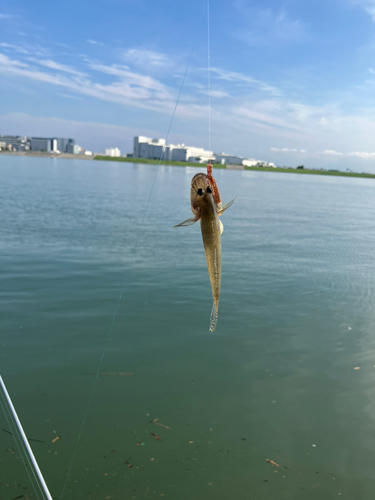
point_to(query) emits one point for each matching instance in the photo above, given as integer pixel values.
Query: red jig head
(215, 189)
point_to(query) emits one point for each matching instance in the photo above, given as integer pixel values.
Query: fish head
(201, 191)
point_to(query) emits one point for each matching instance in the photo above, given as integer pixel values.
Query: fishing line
(21, 448)
(131, 261)
(209, 75)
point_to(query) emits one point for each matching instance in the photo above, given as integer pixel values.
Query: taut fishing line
(209, 75)
(131, 261)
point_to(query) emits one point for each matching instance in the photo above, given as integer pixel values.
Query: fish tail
(214, 316)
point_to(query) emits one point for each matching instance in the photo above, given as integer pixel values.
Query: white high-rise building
(112, 152)
(144, 147)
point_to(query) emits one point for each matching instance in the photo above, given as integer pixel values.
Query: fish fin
(221, 227)
(222, 209)
(188, 222)
(214, 316)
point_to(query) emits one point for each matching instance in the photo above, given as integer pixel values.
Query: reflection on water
(275, 381)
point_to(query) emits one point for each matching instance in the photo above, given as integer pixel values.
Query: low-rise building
(15, 142)
(226, 159)
(73, 149)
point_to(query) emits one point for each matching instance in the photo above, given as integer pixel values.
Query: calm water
(276, 380)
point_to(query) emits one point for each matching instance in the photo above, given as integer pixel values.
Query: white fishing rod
(28, 449)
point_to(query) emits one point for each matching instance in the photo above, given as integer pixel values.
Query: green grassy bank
(155, 162)
(311, 172)
(259, 169)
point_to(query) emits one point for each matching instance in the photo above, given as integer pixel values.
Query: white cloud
(362, 154)
(367, 5)
(4, 60)
(7, 16)
(146, 58)
(69, 96)
(132, 89)
(288, 150)
(34, 50)
(241, 80)
(370, 9)
(91, 135)
(94, 42)
(265, 27)
(359, 154)
(48, 63)
(15, 48)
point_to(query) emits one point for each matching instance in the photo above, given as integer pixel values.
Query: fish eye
(208, 190)
(200, 192)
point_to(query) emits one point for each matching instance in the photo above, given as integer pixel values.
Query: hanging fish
(207, 207)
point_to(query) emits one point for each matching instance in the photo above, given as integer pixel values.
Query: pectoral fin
(188, 222)
(222, 210)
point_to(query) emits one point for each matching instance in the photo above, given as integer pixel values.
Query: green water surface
(275, 381)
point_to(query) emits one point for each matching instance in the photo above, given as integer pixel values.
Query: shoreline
(68, 156)
(42, 154)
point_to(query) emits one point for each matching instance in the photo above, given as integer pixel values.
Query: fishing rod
(26, 446)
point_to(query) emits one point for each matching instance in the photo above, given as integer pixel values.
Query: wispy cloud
(7, 16)
(243, 80)
(366, 5)
(94, 42)
(359, 154)
(6, 62)
(31, 49)
(146, 58)
(68, 96)
(369, 6)
(48, 63)
(288, 150)
(14, 48)
(131, 89)
(264, 27)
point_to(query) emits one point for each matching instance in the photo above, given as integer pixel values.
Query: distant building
(112, 152)
(73, 149)
(14, 142)
(226, 159)
(62, 144)
(144, 147)
(41, 144)
(191, 154)
(51, 145)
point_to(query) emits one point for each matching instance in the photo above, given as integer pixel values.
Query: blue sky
(292, 82)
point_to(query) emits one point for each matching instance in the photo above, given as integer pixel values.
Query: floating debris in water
(162, 425)
(272, 462)
(55, 439)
